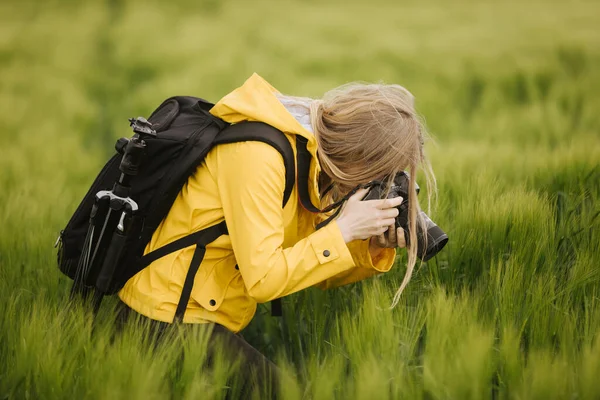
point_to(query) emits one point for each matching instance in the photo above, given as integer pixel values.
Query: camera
(432, 239)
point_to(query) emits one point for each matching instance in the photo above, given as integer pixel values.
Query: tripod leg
(80, 287)
(96, 238)
(105, 277)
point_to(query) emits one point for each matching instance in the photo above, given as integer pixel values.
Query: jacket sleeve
(365, 265)
(251, 180)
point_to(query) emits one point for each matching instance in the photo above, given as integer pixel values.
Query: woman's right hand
(364, 219)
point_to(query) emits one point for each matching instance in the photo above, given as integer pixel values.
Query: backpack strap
(304, 159)
(200, 239)
(207, 236)
(260, 132)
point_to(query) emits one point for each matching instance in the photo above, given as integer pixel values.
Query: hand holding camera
(364, 219)
(367, 215)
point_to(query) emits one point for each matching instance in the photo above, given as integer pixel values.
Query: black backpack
(185, 132)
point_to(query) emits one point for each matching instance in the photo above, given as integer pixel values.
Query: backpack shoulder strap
(261, 132)
(304, 159)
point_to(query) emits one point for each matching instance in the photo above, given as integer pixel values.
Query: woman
(356, 134)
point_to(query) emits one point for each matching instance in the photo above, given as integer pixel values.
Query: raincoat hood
(256, 100)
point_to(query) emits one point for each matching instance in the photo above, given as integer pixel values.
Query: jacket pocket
(211, 293)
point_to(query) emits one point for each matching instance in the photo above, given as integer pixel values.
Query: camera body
(431, 238)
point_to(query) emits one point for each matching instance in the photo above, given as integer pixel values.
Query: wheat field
(510, 92)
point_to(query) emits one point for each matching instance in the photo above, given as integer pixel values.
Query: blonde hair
(370, 132)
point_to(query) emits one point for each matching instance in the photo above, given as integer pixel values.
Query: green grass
(510, 91)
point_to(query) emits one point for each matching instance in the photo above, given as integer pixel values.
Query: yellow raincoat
(270, 252)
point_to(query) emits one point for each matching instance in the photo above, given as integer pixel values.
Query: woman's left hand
(392, 238)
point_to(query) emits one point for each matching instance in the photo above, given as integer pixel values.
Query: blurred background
(510, 94)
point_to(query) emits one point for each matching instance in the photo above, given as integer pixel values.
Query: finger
(359, 195)
(388, 203)
(387, 222)
(379, 230)
(392, 234)
(381, 240)
(389, 213)
(400, 238)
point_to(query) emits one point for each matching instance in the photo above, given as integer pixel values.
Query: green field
(510, 92)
